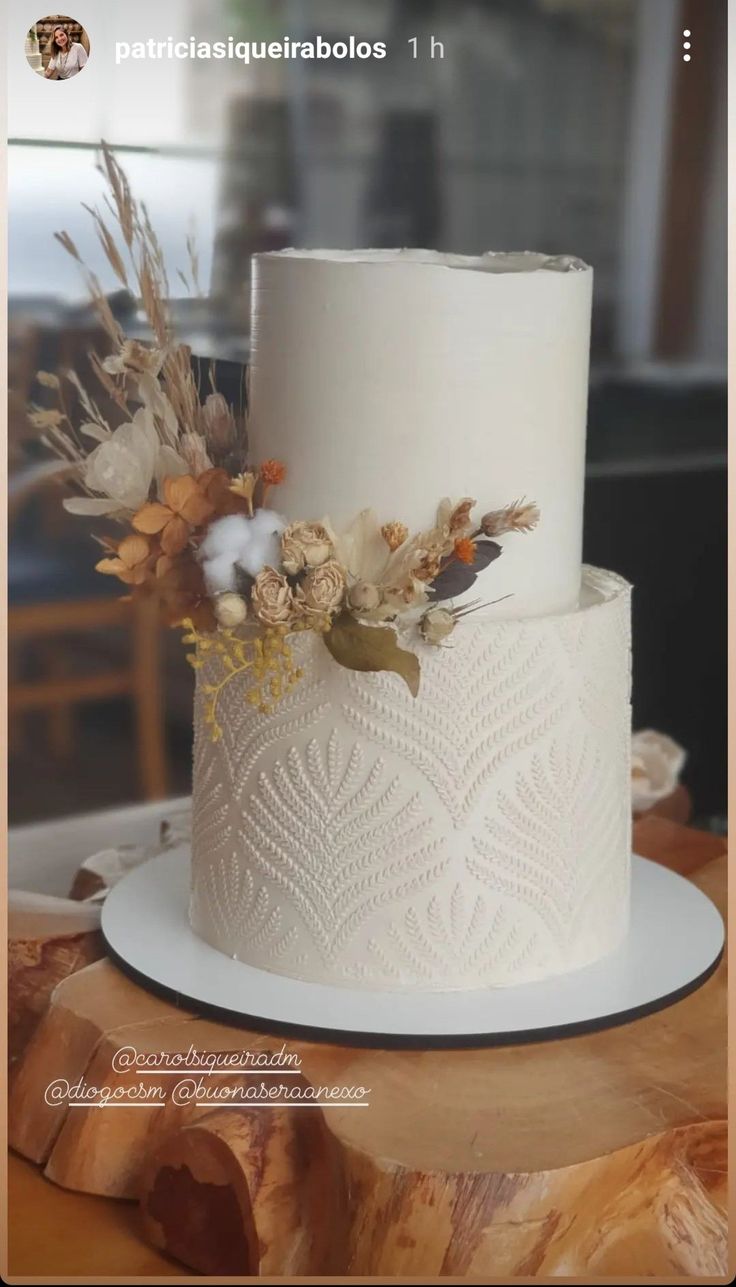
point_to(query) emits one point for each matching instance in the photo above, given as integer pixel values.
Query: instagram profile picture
(57, 47)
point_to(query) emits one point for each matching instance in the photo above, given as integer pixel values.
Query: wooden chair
(58, 693)
(38, 624)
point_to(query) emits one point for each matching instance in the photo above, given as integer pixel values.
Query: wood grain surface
(602, 1153)
(48, 939)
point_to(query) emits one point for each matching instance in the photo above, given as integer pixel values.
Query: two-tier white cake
(479, 833)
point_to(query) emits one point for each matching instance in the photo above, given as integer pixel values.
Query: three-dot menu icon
(686, 45)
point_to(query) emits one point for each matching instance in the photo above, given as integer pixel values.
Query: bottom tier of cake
(476, 836)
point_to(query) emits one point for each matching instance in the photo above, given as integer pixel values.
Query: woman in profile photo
(67, 56)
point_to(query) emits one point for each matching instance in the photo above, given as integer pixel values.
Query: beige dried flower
(436, 625)
(517, 517)
(134, 358)
(430, 564)
(410, 594)
(323, 589)
(656, 764)
(123, 466)
(364, 596)
(453, 520)
(292, 555)
(194, 453)
(272, 598)
(305, 545)
(45, 417)
(230, 610)
(47, 379)
(459, 522)
(218, 424)
(244, 485)
(394, 534)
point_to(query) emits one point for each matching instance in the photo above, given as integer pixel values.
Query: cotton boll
(220, 574)
(239, 542)
(226, 536)
(263, 548)
(220, 550)
(268, 521)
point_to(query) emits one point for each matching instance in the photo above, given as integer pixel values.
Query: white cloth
(69, 64)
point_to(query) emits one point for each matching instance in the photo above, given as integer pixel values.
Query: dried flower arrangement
(199, 533)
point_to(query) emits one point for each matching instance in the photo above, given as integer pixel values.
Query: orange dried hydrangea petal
(178, 490)
(175, 536)
(212, 483)
(111, 567)
(133, 549)
(152, 518)
(116, 567)
(197, 509)
(136, 576)
(164, 564)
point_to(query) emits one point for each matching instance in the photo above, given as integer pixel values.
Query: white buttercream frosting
(477, 835)
(391, 378)
(492, 261)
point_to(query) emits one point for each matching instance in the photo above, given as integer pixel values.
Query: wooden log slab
(269, 1179)
(682, 849)
(602, 1153)
(107, 1157)
(644, 1206)
(100, 1012)
(48, 939)
(83, 1007)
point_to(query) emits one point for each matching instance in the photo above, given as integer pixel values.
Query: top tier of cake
(391, 378)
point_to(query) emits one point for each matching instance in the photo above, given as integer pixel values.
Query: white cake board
(674, 944)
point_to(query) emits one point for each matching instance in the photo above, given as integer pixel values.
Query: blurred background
(568, 126)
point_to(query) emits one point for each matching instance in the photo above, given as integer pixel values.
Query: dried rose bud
(230, 610)
(514, 518)
(364, 596)
(394, 534)
(272, 598)
(305, 545)
(322, 590)
(436, 625)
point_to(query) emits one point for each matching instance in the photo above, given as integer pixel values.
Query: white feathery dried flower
(517, 517)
